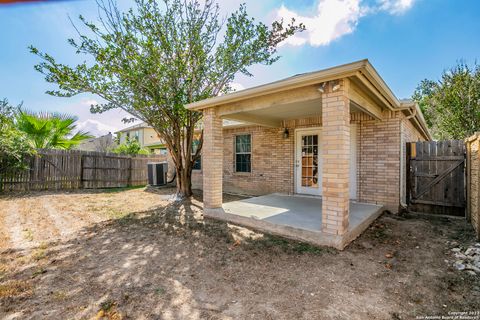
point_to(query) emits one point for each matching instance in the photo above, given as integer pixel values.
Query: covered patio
(297, 217)
(311, 126)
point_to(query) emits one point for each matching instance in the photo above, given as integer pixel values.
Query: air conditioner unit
(157, 173)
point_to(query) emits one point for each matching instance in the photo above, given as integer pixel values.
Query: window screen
(243, 154)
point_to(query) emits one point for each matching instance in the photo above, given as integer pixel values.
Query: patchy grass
(108, 310)
(60, 295)
(380, 232)
(148, 258)
(39, 254)
(160, 291)
(15, 288)
(27, 234)
(38, 271)
(107, 305)
(270, 242)
(117, 190)
(3, 271)
(115, 213)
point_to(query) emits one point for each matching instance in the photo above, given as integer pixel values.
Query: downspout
(412, 115)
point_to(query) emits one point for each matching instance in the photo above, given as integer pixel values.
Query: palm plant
(50, 130)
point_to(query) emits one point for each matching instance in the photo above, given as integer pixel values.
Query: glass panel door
(309, 161)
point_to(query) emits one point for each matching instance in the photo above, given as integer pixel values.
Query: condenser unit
(157, 173)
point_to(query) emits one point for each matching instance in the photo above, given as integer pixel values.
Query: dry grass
(3, 271)
(133, 254)
(15, 288)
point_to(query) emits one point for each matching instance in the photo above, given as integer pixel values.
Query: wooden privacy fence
(436, 179)
(74, 169)
(473, 181)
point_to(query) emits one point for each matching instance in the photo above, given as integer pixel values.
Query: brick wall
(379, 169)
(272, 159)
(473, 181)
(378, 158)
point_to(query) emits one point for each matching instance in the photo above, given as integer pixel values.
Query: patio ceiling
(271, 109)
(275, 115)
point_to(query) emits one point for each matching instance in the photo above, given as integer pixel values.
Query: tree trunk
(184, 182)
(180, 147)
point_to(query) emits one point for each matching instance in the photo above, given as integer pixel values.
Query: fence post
(130, 172)
(473, 170)
(468, 179)
(81, 171)
(408, 183)
(478, 187)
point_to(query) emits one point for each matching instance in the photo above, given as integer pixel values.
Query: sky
(405, 40)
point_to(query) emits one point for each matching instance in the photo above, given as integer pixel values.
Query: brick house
(338, 134)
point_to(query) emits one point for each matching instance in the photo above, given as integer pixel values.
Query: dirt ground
(135, 254)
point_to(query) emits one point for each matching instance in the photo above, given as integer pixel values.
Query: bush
(130, 147)
(14, 147)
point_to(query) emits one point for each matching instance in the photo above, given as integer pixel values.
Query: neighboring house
(337, 134)
(145, 135)
(101, 144)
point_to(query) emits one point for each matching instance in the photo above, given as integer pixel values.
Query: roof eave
(134, 127)
(288, 83)
(362, 68)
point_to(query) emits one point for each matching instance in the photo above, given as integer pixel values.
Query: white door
(308, 171)
(308, 161)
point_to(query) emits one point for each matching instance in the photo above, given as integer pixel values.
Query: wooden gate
(436, 179)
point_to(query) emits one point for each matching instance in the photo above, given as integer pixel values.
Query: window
(197, 165)
(243, 153)
(163, 151)
(137, 135)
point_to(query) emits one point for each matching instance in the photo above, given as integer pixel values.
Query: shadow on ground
(170, 263)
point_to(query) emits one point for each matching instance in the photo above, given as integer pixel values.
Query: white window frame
(235, 153)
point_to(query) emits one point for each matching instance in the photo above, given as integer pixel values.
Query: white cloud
(395, 6)
(95, 127)
(333, 19)
(236, 86)
(336, 18)
(89, 102)
(97, 124)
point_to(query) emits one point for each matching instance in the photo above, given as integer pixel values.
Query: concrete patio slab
(296, 217)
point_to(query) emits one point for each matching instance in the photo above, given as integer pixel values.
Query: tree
(14, 149)
(130, 147)
(452, 105)
(153, 60)
(49, 130)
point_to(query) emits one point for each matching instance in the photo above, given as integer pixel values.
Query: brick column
(212, 159)
(336, 159)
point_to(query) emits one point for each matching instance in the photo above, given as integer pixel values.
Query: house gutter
(371, 78)
(412, 114)
(417, 116)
